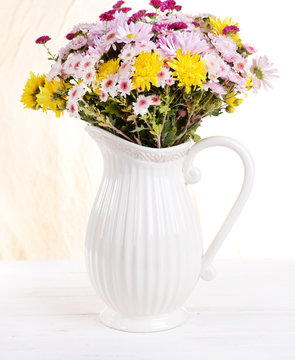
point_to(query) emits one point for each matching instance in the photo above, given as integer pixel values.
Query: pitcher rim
(95, 130)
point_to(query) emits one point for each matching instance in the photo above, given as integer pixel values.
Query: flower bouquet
(149, 77)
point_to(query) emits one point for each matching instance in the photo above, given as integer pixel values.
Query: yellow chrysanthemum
(53, 96)
(232, 101)
(249, 83)
(189, 70)
(32, 88)
(147, 66)
(218, 25)
(108, 68)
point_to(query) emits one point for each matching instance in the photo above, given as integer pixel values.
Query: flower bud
(238, 102)
(230, 109)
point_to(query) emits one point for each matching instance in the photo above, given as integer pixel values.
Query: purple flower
(107, 16)
(168, 5)
(177, 25)
(42, 39)
(124, 9)
(156, 3)
(137, 16)
(151, 14)
(118, 4)
(178, 7)
(70, 36)
(78, 43)
(230, 29)
(196, 24)
(159, 27)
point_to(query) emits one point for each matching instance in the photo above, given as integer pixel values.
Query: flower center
(110, 36)
(258, 73)
(142, 102)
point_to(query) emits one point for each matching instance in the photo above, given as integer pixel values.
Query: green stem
(52, 56)
(164, 117)
(158, 136)
(121, 133)
(183, 133)
(138, 140)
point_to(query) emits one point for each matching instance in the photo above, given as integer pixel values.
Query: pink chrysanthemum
(168, 5)
(156, 3)
(250, 49)
(226, 46)
(217, 88)
(124, 9)
(137, 16)
(263, 71)
(82, 27)
(118, 4)
(151, 14)
(42, 39)
(64, 53)
(240, 66)
(213, 62)
(182, 40)
(177, 26)
(70, 35)
(159, 27)
(138, 31)
(236, 78)
(107, 16)
(56, 69)
(78, 42)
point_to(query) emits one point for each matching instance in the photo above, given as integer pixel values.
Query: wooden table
(49, 311)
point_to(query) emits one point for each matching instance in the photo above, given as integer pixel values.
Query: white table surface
(49, 311)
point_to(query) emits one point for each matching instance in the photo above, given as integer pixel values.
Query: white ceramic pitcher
(144, 250)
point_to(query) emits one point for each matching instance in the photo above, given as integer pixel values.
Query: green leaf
(132, 118)
(112, 109)
(163, 108)
(138, 128)
(168, 138)
(216, 112)
(195, 137)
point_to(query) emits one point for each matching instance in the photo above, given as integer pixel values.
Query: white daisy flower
(76, 93)
(124, 87)
(142, 105)
(109, 85)
(72, 108)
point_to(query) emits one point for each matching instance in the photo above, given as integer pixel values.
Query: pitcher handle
(193, 175)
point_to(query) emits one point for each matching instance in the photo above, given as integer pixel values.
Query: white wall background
(50, 169)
